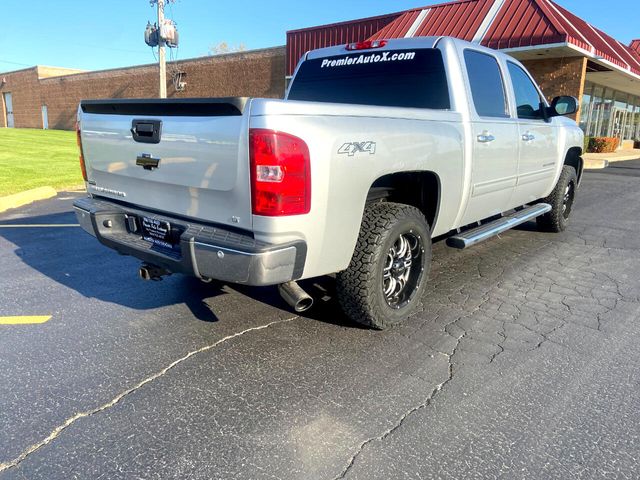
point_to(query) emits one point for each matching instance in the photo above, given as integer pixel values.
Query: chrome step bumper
(204, 251)
(484, 232)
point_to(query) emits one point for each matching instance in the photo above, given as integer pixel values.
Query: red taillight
(280, 174)
(367, 44)
(79, 140)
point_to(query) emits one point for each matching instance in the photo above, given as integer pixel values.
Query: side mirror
(563, 105)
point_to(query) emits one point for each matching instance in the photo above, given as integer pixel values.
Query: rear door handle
(527, 137)
(486, 138)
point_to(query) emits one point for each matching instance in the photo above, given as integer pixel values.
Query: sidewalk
(25, 198)
(602, 160)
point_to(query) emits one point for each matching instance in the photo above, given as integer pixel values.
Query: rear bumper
(203, 251)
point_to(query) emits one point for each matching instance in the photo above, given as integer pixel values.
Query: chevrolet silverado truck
(378, 149)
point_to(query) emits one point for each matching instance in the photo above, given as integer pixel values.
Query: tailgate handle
(146, 131)
(147, 162)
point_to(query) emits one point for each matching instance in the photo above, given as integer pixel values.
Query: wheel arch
(421, 189)
(574, 159)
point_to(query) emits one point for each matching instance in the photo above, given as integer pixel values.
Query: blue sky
(95, 35)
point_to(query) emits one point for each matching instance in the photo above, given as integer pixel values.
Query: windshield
(392, 78)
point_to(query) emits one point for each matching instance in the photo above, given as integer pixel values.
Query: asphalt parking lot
(523, 363)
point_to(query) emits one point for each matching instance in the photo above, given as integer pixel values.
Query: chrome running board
(484, 232)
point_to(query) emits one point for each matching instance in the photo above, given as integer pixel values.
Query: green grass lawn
(38, 158)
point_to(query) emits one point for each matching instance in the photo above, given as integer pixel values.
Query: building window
(636, 121)
(586, 108)
(610, 113)
(596, 107)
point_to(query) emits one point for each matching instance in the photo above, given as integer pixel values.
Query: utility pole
(162, 59)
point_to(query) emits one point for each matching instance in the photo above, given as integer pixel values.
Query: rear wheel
(561, 201)
(387, 275)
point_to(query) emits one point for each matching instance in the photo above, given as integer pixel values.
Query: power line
(16, 63)
(9, 62)
(113, 48)
(83, 44)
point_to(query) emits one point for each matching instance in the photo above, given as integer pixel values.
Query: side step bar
(483, 232)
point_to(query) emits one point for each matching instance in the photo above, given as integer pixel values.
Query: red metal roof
(459, 19)
(398, 27)
(523, 23)
(499, 24)
(603, 44)
(301, 41)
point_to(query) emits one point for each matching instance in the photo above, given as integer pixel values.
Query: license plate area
(159, 232)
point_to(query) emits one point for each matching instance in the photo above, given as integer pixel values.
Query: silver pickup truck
(378, 149)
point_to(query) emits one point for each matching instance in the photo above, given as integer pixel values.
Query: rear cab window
(487, 84)
(391, 78)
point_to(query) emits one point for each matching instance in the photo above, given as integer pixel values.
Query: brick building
(48, 97)
(565, 54)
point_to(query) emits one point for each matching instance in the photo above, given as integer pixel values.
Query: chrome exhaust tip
(152, 272)
(295, 296)
(144, 273)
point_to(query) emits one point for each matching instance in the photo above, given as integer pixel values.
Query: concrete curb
(626, 158)
(25, 198)
(591, 164)
(612, 158)
(74, 189)
(593, 161)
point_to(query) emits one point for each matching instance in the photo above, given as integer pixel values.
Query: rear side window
(487, 86)
(392, 78)
(527, 97)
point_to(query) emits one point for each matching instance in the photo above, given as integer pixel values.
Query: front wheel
(561, 200)
(387, 275)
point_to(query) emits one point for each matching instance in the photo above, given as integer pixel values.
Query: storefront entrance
(610, 113)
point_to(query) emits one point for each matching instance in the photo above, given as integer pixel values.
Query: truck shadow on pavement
(71, 257)
(325, 304)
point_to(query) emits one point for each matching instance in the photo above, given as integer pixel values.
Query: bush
(585, 149)
(636, 144)
(603, 144)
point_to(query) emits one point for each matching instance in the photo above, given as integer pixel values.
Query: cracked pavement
(522, 363)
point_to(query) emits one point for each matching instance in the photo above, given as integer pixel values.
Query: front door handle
(527, 137)
(486, 138)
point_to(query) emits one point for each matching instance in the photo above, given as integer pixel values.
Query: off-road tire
(557, 219)
(360, 287)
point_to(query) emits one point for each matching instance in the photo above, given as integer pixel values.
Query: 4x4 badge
(352, 148)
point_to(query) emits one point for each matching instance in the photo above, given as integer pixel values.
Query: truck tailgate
(184, 156)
